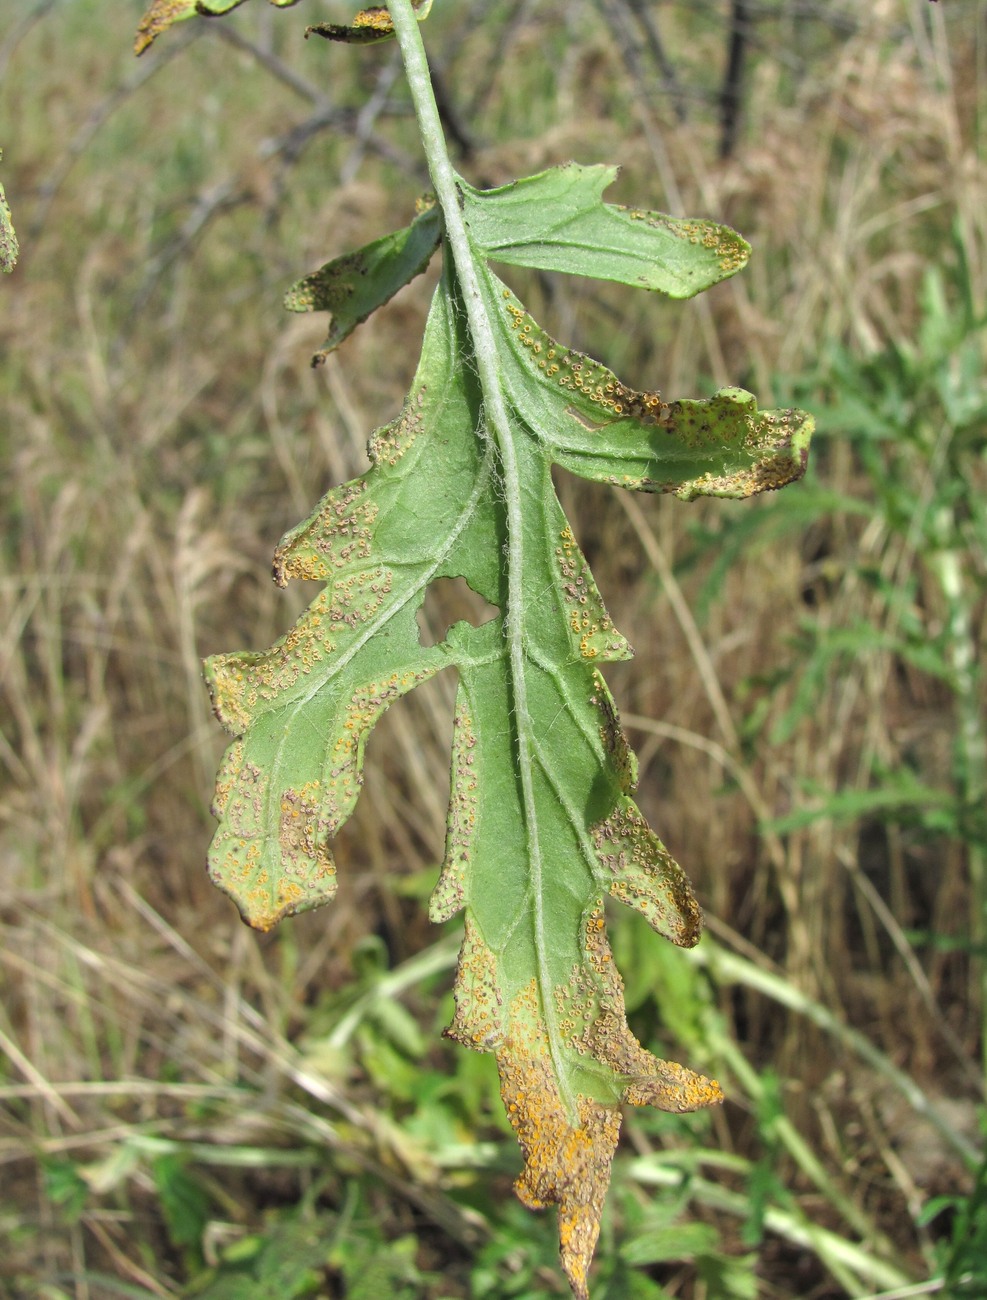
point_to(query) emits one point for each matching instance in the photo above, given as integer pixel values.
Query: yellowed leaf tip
(161, 15)
(564, 1164)
(568, 1141)
(569, 1165)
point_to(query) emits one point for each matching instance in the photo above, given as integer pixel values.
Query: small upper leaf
(556, 221)
(161, 15)
(369, 25)
(165, 13)
(355, 285)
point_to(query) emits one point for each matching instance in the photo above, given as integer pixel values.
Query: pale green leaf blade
(557, 221)
(542, 826)
(302, 711)
(529, 862)
(597, 427)
(352, 287)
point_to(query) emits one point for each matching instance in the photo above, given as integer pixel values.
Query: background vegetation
(189, 1108)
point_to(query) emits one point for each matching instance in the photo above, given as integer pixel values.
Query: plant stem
(497, 423)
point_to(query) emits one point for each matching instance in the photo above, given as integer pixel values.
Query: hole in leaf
(447, 601)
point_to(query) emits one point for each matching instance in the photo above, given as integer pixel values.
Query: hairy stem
(498, 426)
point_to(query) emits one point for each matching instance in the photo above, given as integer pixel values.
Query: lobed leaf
(532, 850)
(597, 427)
(305, 708)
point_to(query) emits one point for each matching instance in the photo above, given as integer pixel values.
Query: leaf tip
(674, 1088)
(644, 876)
(161, 15)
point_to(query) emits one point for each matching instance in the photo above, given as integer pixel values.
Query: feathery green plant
(541, 825)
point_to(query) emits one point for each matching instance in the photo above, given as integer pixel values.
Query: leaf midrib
(485, 354)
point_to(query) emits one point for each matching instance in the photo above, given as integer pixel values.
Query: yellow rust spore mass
(480, 1021)
(565, 1164)
(339, 536)
(730, 249)
(563, 1094)
(568, 1148)
(242, 684)
(365, 707)
(602, 1031)
(390, 442)
(305, 871)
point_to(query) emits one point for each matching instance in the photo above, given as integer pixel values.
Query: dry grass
(161, 428)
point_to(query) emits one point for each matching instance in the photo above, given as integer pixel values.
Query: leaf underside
(369, 25)
(530, 862)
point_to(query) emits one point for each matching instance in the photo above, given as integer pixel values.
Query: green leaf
(369, 26)
(901, 792)
(306, 707)
(354, 286)
(8, 240)
(533, 848)
(183, 1200)
(287, 1261)
(556, 221)
(671, 1241)
(165, 13)
(66, 1188)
